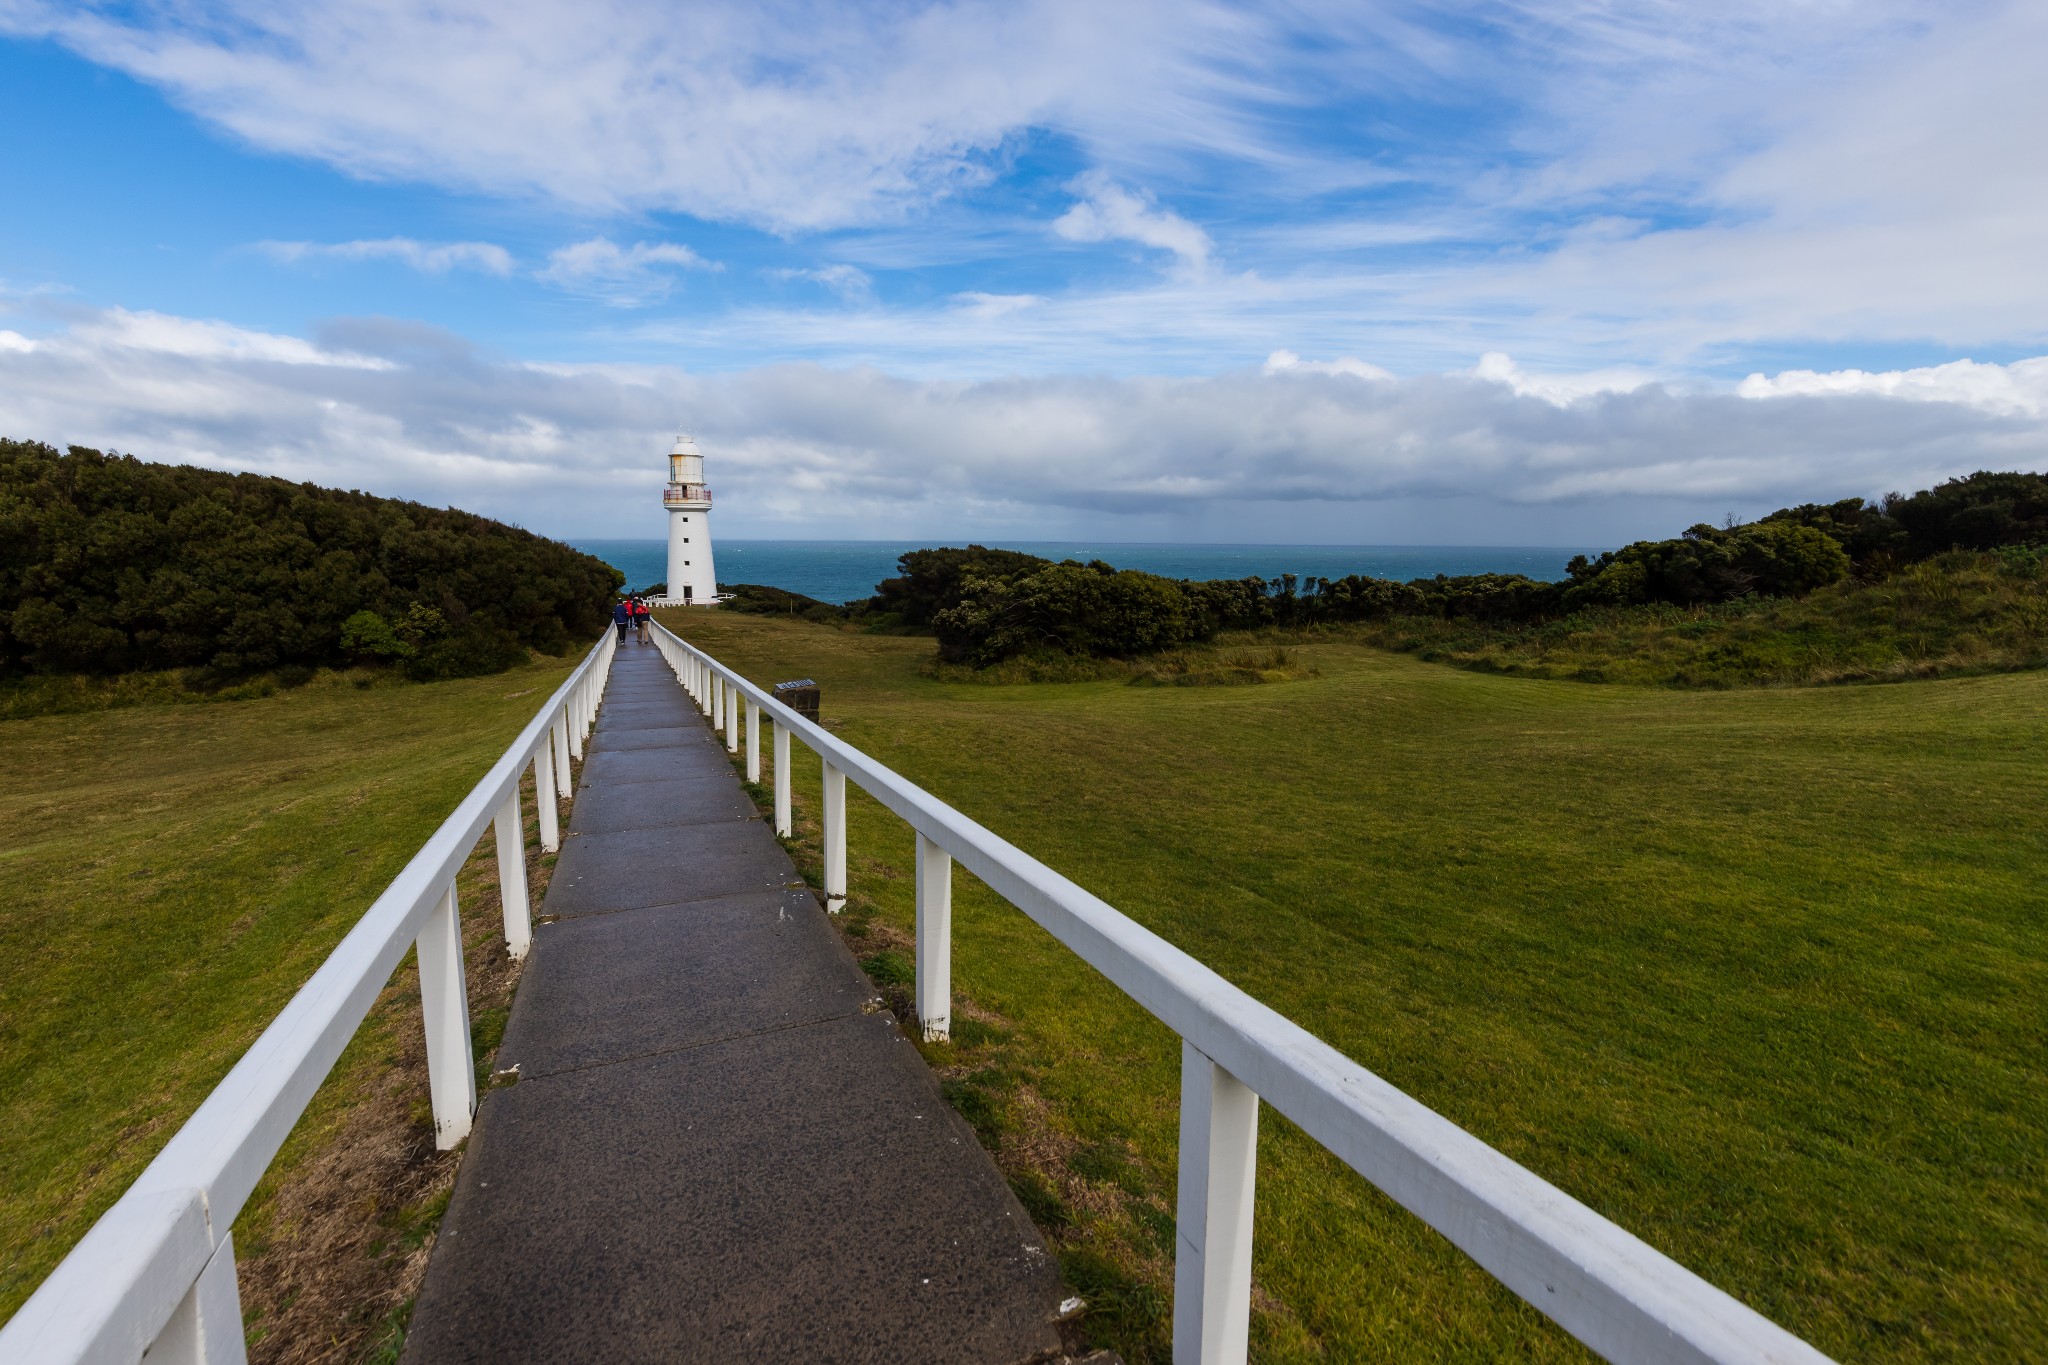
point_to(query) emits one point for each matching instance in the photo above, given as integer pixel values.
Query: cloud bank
(405, 410)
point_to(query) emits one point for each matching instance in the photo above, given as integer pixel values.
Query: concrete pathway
(720, 1147)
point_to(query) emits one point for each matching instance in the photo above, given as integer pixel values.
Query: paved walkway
(720, 1147)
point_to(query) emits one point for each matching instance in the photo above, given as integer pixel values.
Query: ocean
(847, 570)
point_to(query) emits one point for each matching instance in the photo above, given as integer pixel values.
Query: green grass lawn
(176, 873)
(1758, 974)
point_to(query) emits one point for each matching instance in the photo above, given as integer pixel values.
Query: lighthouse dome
(684, 445)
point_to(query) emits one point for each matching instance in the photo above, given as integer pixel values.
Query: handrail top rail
(1613, 1291)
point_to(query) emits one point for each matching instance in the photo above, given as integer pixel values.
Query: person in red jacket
(642, 622)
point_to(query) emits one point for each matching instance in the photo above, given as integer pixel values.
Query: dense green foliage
(112, 565)
(990, 605)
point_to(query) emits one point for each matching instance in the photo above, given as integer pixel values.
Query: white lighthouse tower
(691, 578)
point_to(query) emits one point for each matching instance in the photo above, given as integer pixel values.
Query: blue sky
(1324, 272)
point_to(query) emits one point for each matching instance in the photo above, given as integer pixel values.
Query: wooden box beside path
(800, 696)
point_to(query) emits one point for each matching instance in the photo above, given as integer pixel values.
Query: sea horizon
(841, 571)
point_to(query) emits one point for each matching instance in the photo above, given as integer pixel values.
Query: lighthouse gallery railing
(156, 1273)
(1614, 1292)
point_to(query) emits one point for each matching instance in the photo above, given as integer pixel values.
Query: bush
(1706, 564)
(1074, 608)
(931, 581)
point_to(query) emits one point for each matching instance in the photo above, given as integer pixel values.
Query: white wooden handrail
(156, 1272)
(1617, 1294)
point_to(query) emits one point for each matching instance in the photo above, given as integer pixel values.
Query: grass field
(1759, 974)
(178, 871)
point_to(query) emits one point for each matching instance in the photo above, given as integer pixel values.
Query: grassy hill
(176, 873)
(1956, 614)
(110, 565)
(1757, 973)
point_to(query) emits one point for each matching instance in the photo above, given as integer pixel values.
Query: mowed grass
(174, 874)
(1757, 974)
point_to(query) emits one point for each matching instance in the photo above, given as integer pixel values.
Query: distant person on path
(622, 616)
(642, 621)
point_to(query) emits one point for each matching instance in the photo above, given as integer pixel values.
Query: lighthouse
(690, 575)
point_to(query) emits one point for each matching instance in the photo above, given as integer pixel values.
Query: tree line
(986, 605)
(109, 564)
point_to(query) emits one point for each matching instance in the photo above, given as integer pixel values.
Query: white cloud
(14, 341)
(849, 282)
(624, 276)
(1287, 362)
(1109, 212)
(2019, 389)
(1557, 389)
(404, 410)
(778, 112)
(431, 258)
(1893, 188)
(118, 330)
(976, 304)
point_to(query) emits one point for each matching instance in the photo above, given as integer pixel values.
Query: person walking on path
(643, 621)
(622, 616)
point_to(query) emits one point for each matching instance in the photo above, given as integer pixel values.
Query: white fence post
(572, 728)
(835, 840)
(544, 798)
(1212, 1266)
(782, 823)
(565, 777)
(934, 940)
(754, 742)
(206, 1326)
(511, 835)
(732, 719)
(444, 1001)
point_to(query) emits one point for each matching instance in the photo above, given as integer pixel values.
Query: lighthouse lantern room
(691, 578)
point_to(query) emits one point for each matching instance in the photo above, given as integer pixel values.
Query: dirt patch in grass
(333, 1245)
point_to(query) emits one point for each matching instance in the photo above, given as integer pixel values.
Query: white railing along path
(1614, 1292)
(156, 1274)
